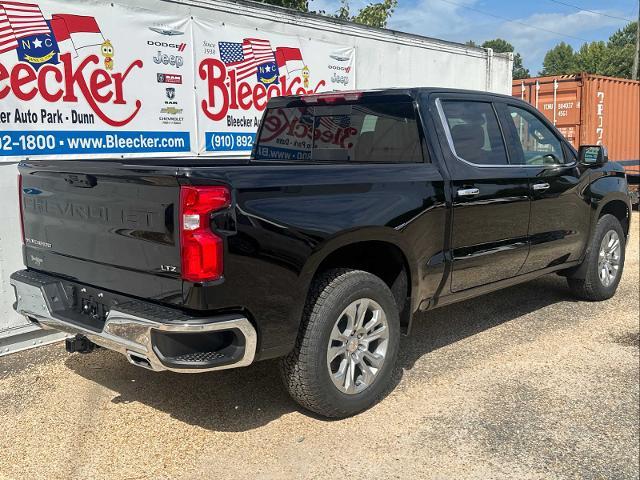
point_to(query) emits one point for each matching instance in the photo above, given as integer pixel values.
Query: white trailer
(375, 58)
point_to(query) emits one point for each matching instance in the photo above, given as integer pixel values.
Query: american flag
(19, 20)
(334, 122)
(245, 57)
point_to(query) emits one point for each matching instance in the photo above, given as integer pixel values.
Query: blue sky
(450, 20)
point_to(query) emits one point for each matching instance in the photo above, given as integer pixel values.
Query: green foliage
(613, 58)
(499, 45)
(592, 57)
(560, 60)
(502, 46)
(624, 37)
(373, 15)
(621, 49)
(376, 14)
(519, 71)
(301, 5)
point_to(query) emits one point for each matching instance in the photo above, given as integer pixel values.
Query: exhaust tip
(139, 360)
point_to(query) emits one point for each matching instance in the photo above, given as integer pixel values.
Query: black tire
(586, 284)
(305, 372)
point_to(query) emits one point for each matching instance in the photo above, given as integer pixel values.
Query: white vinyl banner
(238, 71)
(99, 79)
(94, 79)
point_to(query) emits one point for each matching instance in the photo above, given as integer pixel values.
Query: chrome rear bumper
(137, 336)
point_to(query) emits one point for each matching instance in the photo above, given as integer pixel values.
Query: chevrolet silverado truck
(354, 212)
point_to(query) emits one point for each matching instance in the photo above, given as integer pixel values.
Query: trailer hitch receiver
(80, 344)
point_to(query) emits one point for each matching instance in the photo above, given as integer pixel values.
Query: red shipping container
(590, 109)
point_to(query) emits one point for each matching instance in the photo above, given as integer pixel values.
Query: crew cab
(355, 212)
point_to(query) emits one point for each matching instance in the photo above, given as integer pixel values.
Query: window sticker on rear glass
(371, 133)
(286, 134)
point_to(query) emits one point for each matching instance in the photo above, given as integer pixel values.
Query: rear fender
(369, 234)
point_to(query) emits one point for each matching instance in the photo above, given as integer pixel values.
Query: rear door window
(475, 132)
(364, 133)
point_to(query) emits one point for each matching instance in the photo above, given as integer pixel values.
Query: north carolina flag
(289, 58)
(73, 32)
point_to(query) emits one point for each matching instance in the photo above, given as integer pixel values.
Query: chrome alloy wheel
(609, 258)
(358, 346)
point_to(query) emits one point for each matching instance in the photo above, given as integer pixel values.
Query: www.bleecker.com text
(46, 117)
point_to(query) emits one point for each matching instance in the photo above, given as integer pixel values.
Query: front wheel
(604, 262)
(347, 347)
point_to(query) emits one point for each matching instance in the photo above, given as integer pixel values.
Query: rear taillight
(201, 250)
(21, 207)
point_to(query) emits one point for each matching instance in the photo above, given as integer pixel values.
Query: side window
(475, 132)
(540, 146)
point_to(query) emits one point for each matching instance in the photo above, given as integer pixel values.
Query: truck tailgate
(105, 224)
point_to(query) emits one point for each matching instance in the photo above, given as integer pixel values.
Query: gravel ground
(526, 383)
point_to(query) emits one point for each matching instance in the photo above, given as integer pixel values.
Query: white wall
(383, 59)
(10, 244)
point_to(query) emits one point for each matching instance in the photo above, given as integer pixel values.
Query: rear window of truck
(364, 133)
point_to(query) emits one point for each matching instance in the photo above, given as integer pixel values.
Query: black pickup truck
(355, 211)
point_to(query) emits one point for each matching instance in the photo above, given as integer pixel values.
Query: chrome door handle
(468, 192)
(540, 186)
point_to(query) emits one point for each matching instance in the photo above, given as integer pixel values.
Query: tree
(373, 15)
(560, 60)
(621, 47)
(498, 45)
(592, 58)
(613, 58)
(300, 5)
(502, 46)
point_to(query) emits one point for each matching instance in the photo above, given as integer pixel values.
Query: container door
(491, 197)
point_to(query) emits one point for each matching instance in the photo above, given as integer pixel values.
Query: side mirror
(593, 155)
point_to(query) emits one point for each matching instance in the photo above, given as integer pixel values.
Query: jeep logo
(164, 59)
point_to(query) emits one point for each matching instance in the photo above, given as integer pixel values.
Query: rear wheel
(347, 346)
(604, 262)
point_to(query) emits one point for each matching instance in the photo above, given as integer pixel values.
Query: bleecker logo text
(64, 82)
(226, 92)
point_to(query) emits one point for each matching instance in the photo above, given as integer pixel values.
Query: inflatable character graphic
(305, 76)
(107, 52)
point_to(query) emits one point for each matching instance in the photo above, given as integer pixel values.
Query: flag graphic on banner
(251, 57)
(18, 21)
(38, 41)
(73, 32)
(24, 29)
(8, 40)
(289, 58)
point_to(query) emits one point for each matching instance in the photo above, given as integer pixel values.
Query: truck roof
(355, 95)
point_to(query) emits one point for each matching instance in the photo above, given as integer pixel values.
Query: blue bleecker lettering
(31, 143)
